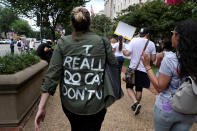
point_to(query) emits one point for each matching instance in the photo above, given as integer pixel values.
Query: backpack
(19, 44)
(184, 100)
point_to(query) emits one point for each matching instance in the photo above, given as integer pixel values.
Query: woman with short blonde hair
(78, 64)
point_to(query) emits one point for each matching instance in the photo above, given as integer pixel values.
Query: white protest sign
(125, 30)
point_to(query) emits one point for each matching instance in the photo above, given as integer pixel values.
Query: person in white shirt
(118, 51)
(113, 41)
(19, 44)
(167, 49)
(31, 45)
(135, 49)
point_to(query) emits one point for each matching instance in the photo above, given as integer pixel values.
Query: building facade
(112, 7)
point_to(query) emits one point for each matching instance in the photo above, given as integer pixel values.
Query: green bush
(10, 64)
(126, 62)
(33, 51)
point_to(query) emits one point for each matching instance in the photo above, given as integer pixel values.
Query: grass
(11, 64)
(127, 62)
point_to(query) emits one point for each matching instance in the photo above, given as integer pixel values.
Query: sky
(97, 6)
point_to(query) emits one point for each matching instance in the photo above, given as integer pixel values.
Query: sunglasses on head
(174, 32)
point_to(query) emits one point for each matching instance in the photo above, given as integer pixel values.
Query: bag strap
(142, 54)
(188, 78)
(171, 91)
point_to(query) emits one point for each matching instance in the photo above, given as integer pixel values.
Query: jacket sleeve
(109, 54)
(54, 73)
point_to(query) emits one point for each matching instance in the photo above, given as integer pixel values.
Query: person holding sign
(78, 64)
(135, 49)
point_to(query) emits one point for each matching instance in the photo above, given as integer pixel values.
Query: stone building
(112, 7)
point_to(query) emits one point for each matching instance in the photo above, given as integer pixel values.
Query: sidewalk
(119, 116)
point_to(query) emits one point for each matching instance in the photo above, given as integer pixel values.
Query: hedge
(10, 64)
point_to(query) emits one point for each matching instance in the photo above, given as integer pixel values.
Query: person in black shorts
(134, 50)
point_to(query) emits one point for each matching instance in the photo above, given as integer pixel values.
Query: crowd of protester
(77, 64)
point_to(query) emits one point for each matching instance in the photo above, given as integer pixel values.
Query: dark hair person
(167, 48)
(173, 70)
(78, 64)
(12, 46)
(118, 51)
(120, 42)
(187, 47)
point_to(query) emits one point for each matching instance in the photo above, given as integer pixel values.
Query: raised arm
(159, 83)
(153, 57)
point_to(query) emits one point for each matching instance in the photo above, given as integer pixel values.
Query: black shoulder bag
(113, 73)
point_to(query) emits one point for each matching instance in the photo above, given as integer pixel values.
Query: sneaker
(133, 106)
(137, 109)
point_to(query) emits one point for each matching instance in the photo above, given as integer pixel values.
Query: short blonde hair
(80, 18)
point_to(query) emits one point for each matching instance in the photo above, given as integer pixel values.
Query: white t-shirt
(31, 45)
(21, 43)
(117, 52)
(169, 67)
(136, 46)
(112, 45)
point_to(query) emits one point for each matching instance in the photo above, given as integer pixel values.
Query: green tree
(158, 16)
(34, 34)
(7, 17)
(49, 13)
(21, 27)
(102, 25)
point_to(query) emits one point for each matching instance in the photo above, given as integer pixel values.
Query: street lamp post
(41, 28)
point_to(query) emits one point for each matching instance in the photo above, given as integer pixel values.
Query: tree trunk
(41, 28)
(5, 35)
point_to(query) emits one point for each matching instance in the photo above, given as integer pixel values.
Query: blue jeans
(12, 49)
(120, 60)
(172, 121)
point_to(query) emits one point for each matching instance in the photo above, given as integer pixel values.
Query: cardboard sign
(125, 30)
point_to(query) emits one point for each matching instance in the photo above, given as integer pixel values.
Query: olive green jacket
(78, 64)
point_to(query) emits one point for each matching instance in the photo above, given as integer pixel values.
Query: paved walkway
(119, 116)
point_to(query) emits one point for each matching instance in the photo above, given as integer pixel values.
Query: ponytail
(80, 18)
(120, 45)
(120, 42)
